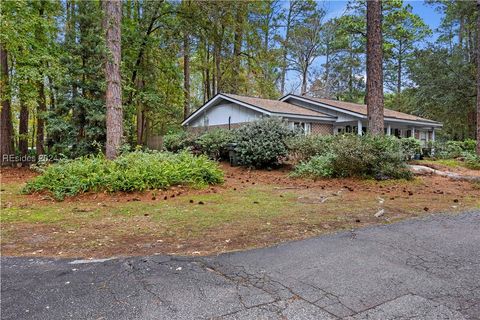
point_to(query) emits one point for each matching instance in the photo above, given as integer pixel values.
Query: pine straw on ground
(253, 208)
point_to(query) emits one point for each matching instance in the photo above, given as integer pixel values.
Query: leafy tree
(305, 44)
(294, 16)
(176, 55)
(443, 73)
(405, 31)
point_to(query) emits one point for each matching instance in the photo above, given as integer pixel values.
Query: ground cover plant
(135, 171)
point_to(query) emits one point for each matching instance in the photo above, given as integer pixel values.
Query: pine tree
(478, 77)
(113, 96)
(374, 67)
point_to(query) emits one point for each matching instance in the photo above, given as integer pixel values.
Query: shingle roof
(276, 106)
(362, 109)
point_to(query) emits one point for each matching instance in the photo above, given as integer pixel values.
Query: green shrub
(262, 143)
(451, 149)
(469, 145)
(320, 166)
(302, 148)
(410, 147)
(454, 149)
(214, 143)
(352, 156)
(176, 142)
(472, 161)
(135, 171)
(379, 157)
(387, 158)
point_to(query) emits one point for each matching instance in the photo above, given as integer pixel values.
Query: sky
(337, 8)
(425, 11)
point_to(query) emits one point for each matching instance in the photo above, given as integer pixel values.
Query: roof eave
(362, 116)
(301, 116)
(418, 122)
(209, 103)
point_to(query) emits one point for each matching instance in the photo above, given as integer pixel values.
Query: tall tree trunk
(326, 85)
(304, 82)
(34, 129)
(113, 96)
(143, 47)
(51, 86)
(208, 83)
(237, 42)
(350, 68)
(23, 128)
(374, 67)
(41, 110)
(214, 71)
(6, 130)
(218, 72)
(285, 51)
(478, 77)
(140, 116)
(460, 31)
(399, 70)
(41, 99)
(207, 71)
(52, 93)
(186, 75)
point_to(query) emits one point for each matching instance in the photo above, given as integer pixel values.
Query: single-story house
(312, 115)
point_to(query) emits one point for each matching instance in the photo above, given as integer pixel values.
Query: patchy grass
(451, 163)
(252, 209)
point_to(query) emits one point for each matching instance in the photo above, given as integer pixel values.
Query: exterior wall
(318, 128)
(220, 114)
(219, 126)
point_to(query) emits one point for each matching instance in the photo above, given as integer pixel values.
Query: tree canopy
(176, 55)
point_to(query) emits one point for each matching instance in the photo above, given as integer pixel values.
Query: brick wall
(316, 128)
(321, 128)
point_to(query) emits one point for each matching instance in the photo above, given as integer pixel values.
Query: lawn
(251, 209)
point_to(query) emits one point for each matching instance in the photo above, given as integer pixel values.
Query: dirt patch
(16, 175)
(253, 208)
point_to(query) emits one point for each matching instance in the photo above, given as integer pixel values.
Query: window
(304, 127)
(423, 136)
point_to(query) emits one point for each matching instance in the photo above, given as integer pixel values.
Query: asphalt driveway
(417, 269)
